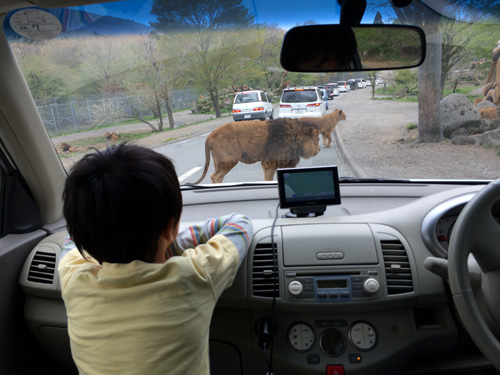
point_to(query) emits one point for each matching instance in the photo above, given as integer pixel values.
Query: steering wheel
(476, 231)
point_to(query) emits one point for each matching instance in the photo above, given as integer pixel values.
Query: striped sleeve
(235, 227)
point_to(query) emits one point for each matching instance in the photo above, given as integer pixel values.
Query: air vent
(42, 268)
(397, 267)
(263, 271)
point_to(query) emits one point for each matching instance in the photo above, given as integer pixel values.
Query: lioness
(278, 143)
(326, 124)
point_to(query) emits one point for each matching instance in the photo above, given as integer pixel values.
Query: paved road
(192, 138)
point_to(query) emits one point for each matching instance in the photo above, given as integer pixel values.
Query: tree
(269, 56)
(102, 61)
(214, 49)
(430, 73)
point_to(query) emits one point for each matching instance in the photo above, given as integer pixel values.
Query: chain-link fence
(92, 112)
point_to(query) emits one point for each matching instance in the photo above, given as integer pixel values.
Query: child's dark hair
(118, 202)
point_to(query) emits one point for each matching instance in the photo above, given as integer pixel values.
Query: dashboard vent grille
(263, 271)
(397, 267)
(42, 267)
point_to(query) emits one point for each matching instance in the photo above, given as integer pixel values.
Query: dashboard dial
(363, 336)
(301, 337)
(332, 342)
(444, 228)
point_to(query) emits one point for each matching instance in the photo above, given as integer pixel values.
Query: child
(139, 296)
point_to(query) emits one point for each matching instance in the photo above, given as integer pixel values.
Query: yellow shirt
(145, 318)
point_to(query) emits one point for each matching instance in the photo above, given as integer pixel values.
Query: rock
(490, 138)
(460, 132)
(463, 140)
(485, 125)
(495, 124)
(457, 112)
(485, 104)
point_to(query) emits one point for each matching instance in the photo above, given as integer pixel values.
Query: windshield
(247, 97)
(299, 95)
(165, 74)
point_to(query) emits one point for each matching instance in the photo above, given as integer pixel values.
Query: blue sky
(323, 11)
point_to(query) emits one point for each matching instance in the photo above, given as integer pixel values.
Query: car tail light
(313, 105)
(259, 109)
(236, 110)
(285, 106)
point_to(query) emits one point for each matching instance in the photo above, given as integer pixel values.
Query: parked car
(377, 255)
(333, 90)
(299, 102)
(343, 86)
(361, 83)
(252, 105)
(353, 84)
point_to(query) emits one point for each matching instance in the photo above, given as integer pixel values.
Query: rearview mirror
(340, 48)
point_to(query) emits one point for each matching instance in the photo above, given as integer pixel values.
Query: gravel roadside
(376, 138)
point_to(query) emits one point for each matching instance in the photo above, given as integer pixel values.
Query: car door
(265, 103)
(31, 181)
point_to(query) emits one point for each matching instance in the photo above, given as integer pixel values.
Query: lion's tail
(207, 161)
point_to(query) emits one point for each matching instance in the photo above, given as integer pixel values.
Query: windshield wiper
(369, 180)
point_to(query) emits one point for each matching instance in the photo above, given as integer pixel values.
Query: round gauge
(332, 342)
(363, 336)
(301, 337)
(444, 227)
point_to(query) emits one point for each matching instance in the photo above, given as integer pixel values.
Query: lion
(326, 124)
(278, 143)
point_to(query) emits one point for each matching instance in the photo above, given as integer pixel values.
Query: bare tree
(268, 59)
(102, 61)
(214, 52)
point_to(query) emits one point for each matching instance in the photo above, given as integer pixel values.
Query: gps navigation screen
(301, 187)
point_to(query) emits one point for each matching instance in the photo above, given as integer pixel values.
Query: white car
(252, 105)
(343, 86)
(298, 102)
(333, 90)
(361, 83)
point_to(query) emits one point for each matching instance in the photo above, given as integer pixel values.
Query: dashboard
(345, 291)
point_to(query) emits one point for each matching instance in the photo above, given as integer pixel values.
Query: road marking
(189, 173)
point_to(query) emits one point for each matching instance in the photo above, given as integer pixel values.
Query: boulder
(485, 104)
(458, 112)
(463, 140)
(490, 138)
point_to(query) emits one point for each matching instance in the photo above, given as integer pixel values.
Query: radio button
(356, 286)
(371, 285)
(295, 288)
(308, 288)
(305, 279)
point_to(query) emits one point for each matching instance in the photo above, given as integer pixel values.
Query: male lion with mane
(326, 124)
(276, 144)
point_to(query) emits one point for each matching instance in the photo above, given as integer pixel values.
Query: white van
(361, 83)
(298, 102)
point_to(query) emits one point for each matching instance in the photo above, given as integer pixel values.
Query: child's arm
(237, 228)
